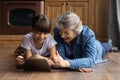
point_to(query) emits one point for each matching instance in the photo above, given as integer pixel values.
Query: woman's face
(67, 34)
(40, 37)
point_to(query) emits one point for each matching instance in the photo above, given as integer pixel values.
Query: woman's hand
(59, 61)
(20, 60)
(88, 70)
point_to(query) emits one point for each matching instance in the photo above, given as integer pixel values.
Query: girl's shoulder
(50, 36)
(28, 35)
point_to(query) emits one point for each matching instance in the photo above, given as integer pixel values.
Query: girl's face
(40, 37)
(67, 34)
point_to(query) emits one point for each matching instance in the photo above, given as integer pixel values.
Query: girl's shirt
(28, 43)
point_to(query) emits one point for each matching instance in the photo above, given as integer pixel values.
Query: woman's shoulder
(87, 34)
(87, 30)
(56, 30)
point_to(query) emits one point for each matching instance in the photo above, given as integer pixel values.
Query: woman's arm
(60, 62)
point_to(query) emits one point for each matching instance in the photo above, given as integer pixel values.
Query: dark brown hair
(41, 23)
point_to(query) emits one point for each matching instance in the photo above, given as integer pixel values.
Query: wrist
(45, 58)
(67, 64)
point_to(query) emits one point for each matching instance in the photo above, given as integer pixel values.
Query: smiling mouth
(66, 39)
(39, 39)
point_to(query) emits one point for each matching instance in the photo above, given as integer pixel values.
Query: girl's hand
(60, 62)
(88, 70)
(50, 62)
(20, 60)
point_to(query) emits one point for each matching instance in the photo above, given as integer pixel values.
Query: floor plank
(104, 71)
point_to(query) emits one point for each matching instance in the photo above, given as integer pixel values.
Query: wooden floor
(105, 71)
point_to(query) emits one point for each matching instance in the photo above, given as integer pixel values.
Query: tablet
(36, 65)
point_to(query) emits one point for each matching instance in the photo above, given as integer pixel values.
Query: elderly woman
(76, 44)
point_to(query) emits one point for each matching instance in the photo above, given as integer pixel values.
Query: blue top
(86, 50)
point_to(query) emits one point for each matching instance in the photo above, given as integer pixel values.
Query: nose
(40, 35)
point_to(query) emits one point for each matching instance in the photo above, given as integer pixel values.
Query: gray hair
(69, 20)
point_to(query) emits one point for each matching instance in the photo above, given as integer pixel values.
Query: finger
(56, 56)
(21, 57)
(21, 62)
(57, 53)
(87, 70)
(17, 58)
(56, 60)
(80, 70)
(90, 70)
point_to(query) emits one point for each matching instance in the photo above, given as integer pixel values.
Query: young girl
(38, 44)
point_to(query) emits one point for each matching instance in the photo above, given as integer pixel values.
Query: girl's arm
(52, 51)
(36, 56)
(28, 53)
(20, 59)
